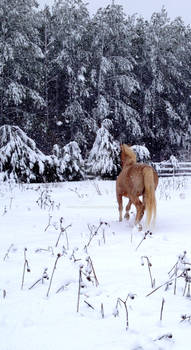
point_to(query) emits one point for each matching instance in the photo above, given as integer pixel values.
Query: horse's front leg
(127, 210)
(120, 206)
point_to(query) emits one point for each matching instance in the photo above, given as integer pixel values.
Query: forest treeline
(63, 72)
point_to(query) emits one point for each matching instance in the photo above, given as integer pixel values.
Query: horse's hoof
(127, 216)
(140, 227)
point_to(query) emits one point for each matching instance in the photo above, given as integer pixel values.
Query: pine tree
(113, 78)
(20, 57)
(72, 163)
(142, 153)
(22, 161)
(103, 159)
(69, 31)
(165, 83)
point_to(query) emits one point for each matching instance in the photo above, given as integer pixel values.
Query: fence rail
(165, 169)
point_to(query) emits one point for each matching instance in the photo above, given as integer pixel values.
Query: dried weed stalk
(162, 308)
(49, 249)
(185, 318)
(89, 305)
(164, 336)
(93, 233)
(53, 271)
(26, 266)
(8, 251)
(44, 277)
(147, 233)
(89, 271)
(102, 311)
(62, 231)
(80, 285)
(49, 223)
(149, 268)
(123, 302)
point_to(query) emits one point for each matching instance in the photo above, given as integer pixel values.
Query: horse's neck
(129, 162)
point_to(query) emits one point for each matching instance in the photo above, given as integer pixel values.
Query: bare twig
(149, 268)
(10, 204)
(97, 188)
(44, 276)
(88, 304)
(63, 287)
(145, 236)
(49, 221)
(164, 284)
(75, 190)
(5, 211)
(102, 311)
(185, 318)
(26, 265)
(124, 302)
(175, 279)
(91, 268)
(54, 268)
(49, 249)
(162, 307)
(93, 232)
(72, 256)
(4, 293)
(164, 336)
(63, 230)
(79, 286)
(8, 251)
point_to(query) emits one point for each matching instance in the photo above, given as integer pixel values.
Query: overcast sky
(144, 8)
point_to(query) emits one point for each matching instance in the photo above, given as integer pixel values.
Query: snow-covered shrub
(174, 161)
(22, 161)
(53, 171)
(142, 153)
(72, 164)
(56, 150)
(103, 159)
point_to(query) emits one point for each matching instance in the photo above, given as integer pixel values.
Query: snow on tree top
(15, 137)
(142, 152)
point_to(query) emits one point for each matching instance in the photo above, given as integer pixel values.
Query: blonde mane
(127, 152)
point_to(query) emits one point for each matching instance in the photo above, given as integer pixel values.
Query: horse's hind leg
(140, 210)
(120, 206)
(127, 209)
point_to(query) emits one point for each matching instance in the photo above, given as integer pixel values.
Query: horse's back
(131, 179)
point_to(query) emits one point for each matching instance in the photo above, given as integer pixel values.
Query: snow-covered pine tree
(142, 153)
(72, 164)
(20, 61)
(103, 159)
(164, 71)
(113, 76)
(69, 27)
(22, 161)
(56, 151)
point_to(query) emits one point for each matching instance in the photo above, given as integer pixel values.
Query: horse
(135, 180)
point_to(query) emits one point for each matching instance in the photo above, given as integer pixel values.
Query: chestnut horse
(134, 180)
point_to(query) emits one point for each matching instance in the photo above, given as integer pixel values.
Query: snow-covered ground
(43, 316)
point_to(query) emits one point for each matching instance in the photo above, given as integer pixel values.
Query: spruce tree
(103, 160)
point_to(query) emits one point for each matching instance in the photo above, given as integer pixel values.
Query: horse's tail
(149, 195)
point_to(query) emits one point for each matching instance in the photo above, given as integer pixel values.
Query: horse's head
(128, 157)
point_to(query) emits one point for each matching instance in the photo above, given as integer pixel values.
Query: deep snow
(30, 217)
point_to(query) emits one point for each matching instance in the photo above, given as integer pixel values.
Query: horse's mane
(128, 152)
